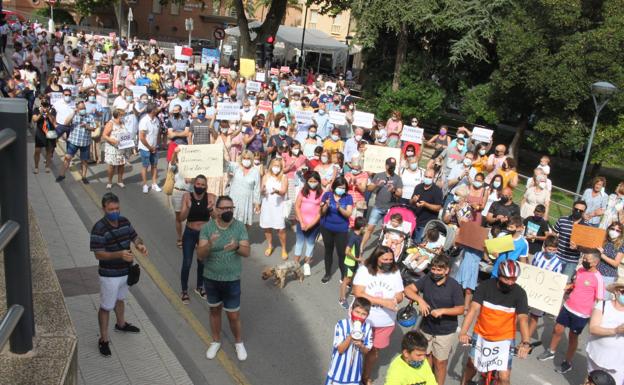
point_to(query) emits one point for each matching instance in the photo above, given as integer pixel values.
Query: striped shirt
(79, 135)
(563, 228)
(553, 264)
(106, 237)
(346, 368)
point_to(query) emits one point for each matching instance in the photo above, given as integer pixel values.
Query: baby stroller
(399, 238)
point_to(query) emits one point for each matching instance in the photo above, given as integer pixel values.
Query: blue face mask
(427, 181)
(549, 255)
(282, 133)
(620, 299)
(321, 112)
(340, 191)
(113, 216)
(282, 104)
(201, 116)
(416, 364)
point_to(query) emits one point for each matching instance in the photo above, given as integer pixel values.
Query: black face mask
(391, 169)
(386, 267)
(505, 288)
(586, 265)
(199, 190)
(504, 199)
(576, 214)
(227, 216)
(176, 115)
(436, 277)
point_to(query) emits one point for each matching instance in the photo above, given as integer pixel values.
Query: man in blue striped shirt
(545, 259)
(353, 338)
(567, 252)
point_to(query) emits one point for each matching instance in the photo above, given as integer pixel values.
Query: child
(547, 260)
(353, 338)
(259, 162)
(411, 366)
(396, 236)
(536, 228)
(352, 258)
(545, 164)
(515, 228)
(419, 257)
(587, 288)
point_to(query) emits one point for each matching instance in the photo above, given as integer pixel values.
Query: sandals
(36, 170)
(179, 243)
(284, 255)
(268, 251)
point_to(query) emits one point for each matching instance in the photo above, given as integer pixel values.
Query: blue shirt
(346, 368)
(333, 220)
(521, 249)
(143, 81)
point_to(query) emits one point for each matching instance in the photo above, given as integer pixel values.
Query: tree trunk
(514, 146)
(269, 27)
(400, 57)
(122, 18)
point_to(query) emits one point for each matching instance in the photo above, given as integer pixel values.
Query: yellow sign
(375, 157)
(205, 159)
(544, 288)
(499, 245)
(247, 68)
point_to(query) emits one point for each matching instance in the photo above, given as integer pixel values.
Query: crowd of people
(308, 179)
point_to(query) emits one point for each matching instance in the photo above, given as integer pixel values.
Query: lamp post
(51, 21)
(601, 93)
(305, 21)
(130, 19)
(188, 24)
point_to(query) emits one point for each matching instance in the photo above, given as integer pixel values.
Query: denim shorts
(148, 158)
(72, 149)
(376, 216)
(226, 293)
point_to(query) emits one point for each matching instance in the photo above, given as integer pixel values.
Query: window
(232, 12)
(336, 24)
(156, 6)
(313, 19)
(175, 8)
(216, 5)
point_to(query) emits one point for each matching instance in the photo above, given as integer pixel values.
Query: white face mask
(409, 153)
(276, 169)
(542, 185)
(467, 162)
(295, 151)
(246, 163)
(460, 147)
(482, 152)
(324, 159)
(614, 234)
(358, 138)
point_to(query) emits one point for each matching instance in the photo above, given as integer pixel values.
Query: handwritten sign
(261, 77)
(283, 69)
(491, 355)
(472, 234)
(588, 236)
(253, 86)
(412, 134)
(544, 288)
(265, 105)
(206, 159)
(247, 67)
(274, 71)
(363, 119)
(228, 111)
(481, 134)
(181, 66)
(304, 116)
(137, 91)
(55, 97)
(337, 118)
(125, 141)
(375, 159)
(224, 71)
(500, 244)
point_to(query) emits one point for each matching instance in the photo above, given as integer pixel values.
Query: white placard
(375, 158)
(412, 134)
(296, 89)
(491, 355)
(330, 85)
(228, 111)
(125, 141)
(206, 159)
(137, 91)
(337, 117)
(261, 77)
(58, 57)
(177, 54)
(97, 56)
(363, 119)
(481, 134)
(181, 66)
(304, 116)
(55, 97)
(544, 288)
(253, 86)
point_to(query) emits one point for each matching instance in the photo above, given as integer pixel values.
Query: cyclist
(497, 304)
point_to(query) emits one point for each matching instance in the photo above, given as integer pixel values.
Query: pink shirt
(588, 287)
(292, 164)
(310, 206)
(353, 180)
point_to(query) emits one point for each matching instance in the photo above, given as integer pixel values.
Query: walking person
(113, 156)
(79, 139)
(111, 238)
(45, 122)
(148, 141)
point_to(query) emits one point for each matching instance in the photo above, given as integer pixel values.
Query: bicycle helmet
(407, 316)
(509, 269)
(600, 377)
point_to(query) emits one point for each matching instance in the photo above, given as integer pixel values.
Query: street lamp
(188, 24)
(130, 19)
(601, 93)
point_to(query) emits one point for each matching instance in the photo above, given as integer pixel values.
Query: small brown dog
(280, 272)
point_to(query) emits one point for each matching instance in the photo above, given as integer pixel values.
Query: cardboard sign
(58, 57)
(55, 97)
(102, 78)
(283, 69)
(338, 118)
(472, 234)
(364, 119)
(224, 71)
(253, 86)
(206, 159)
(412, 134)
(544, 288)
(261, 77)
(500, 244)
(210, 56)
(304, 116)
(137, 91)
(182, 53)
(125, 141)
(228, 111)
(275, 71)
(491, 355)
(588, 236)
(181, 66)
(265, 105)
(330, 85)
(481, 134)
(375, 158)
(247, 68)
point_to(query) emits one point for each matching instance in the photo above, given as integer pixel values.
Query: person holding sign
(520, 252)
(114, 150)
(566, 250)
(498, 305)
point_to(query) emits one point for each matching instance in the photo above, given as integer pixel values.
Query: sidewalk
(143, 358)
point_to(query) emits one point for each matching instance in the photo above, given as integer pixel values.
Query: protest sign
(330, 85)
(181, 66)
(265, 105)
(412, 134)
(337, 117)
(125, 141)
(544, 288)
(55, 97)
(587, 236)
(491, 355)
(137, 91)
(261, 77)
(253, 86)
(102, 77)
(247, 67)
(97, 56)
(181, 53)
(500, 244)
(481, 134)
(375, 157)
(364, 119)
(224, 71)
(472, 234)
(294, 89)
(274, 71)
(206, 159)
(228, 111)
(284, 69)
(210, 56)
(58, 57)
(304, 116)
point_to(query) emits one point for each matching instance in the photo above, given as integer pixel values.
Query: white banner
(412, 134)
(337, 117)
(228, 111)
(206, 159)
(481, 134)
(181, 66)
(491, 355)
(253, 86)
(177, 50)
(137, 91)
(544, 288)
(261, 77)
(125, 141)
(363, 119)
(304, 116)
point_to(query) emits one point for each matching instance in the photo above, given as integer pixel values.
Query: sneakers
(343, 302)
(241, 353)
(127, 328)
(145, 189)
(60, 178)
(565, 367)
(201, 292)
(325, 279)
(547, 355)
(85, 180)
(306, 270)
(185, 298)
(213, 349)
(109, 186)
(104, 348)
(156, 188)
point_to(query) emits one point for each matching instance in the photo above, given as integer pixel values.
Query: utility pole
(188, 24)
(130, 20)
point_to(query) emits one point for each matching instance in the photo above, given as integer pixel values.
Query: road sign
(52, 2)
(219, 33)
(130, 15)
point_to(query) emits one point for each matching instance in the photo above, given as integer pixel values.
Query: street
(287, 332)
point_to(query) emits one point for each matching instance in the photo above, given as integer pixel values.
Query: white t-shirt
(63, 111)
(382, 285)
(150, 126)
(410, 180)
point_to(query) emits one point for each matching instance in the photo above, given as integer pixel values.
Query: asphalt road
(287, 332)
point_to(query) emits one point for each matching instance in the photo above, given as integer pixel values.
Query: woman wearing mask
(308, 215)
(245, 188)
(536, 194)
(293, 161)
(412, 175)
(274, 190)
(336, 209)
(611, 254)
(53, 85)
(114, 157)
(255, 135)
(333, 143)
(477, 196)
(181, 186)
(44, 119)
(379, 281)
(155, 81)
(357, 181)
(394, 128)
(493, 193)
(596, 200)
(409, 151)
(326, 170)
(284, 108)
(615, 207)
(509, 173)
(231, 138)
(439, 142)
(311, 142)
(480, 158)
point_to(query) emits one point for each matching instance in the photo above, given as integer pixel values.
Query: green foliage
(422, 99)
(477, 105)
(61, 16)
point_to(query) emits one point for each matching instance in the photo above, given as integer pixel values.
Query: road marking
(199, 329)
(539, 380)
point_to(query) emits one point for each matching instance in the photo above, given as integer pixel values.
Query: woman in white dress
(274, 189)
(245, 188)
(113, 156)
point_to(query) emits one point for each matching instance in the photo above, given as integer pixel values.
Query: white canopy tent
(314, 41)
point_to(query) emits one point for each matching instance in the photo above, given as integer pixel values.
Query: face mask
(224, 130)
(409, 153)
(620, 299)
(82, 112)
(482, 152)
(335, 138)
(65, 80)
(324, 159)
(496, 184)
(549, 255)
(113, 216)
(201, 116)
(542, 185)
(176, 115)
(416, 364)
(206, 100)
(199, 190)
(386, 267)
(321, 112)
(169, 85)
(339, 191)
(128, 99)
(436, 277)
(586, 265)
(355, 318)
(182, 97)
(92, 99)
(311, 134)
(144, 101)
(257, 162)
(282, 104)
(355, 171)
(442, 132)
(101, 87)
(246, 163)
(460, 147)
(427, 181)
(276, 170)
(358, 138)
(391, 169)
(313, 185)
(295, 151)
(67, 99)
(282, 132)
(576, 214)
(477, 184)
(197, 94)
(227, 216)
(504, 199)
(505, 288)
(460, 136)
(613, 234)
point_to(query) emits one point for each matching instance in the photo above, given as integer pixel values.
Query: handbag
(50, 134)
(134, 274)
(95, 134)
(169, 182)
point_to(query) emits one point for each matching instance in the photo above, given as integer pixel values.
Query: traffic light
(260, 54)
(269, 45)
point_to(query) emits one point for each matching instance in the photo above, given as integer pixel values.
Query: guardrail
(18, 325)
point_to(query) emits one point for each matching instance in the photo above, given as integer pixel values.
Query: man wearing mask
(440, 300)
(279, 141)
(495, 162)
(200, 128)
(79, 139)
(389, 187)
(148, 140)
(143, 80)
(178, 131)
(427, 202)
(566, 250)
(350, 147)
(498, 305)
(64, 109)
(322, 123)
(96, 111)
(183, 102)
(502, 210)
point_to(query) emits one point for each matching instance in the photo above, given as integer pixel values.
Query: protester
(566, 250)
(45, 134)
(411, 366)
(336, 208)
(596, 200)
(79, 139)
(308, 216)
(148, 139)
(272, 217)
(114, 157)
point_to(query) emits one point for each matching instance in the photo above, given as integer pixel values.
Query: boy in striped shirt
(546, 259)
(353, 338)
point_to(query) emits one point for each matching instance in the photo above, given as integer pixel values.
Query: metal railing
(18, 324)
